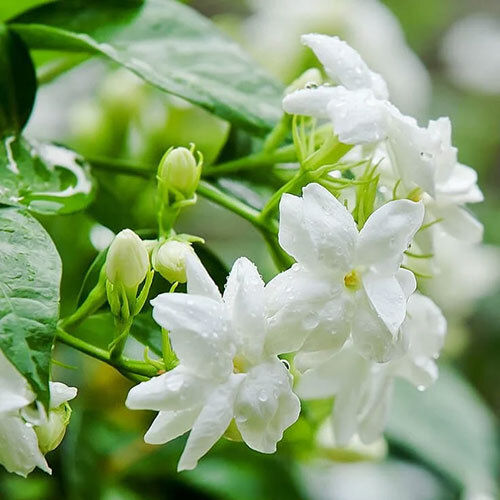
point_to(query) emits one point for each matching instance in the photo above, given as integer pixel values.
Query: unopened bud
(51, 433)
(180, 171)
(309, 79)
(128, 260)
(170, 260)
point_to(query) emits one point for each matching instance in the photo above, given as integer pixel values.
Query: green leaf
(45, 178)
(147, 332)
(167, 44)
(17, 82)
(30, 270)
(449, 428)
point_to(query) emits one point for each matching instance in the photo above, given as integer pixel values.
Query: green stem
(95, 299)
(260, 159)
(277, 134)
(124, 365)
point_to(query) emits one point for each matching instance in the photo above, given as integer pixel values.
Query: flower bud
(51, 433)
(180, 171)
(128, 260)
(170, 260)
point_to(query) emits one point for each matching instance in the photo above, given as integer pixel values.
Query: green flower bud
(180, 171)
(128, 260)
(51, 433)
(170, 260)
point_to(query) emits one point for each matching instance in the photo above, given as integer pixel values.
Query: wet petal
(14, 388)
(266, 406)
(309, 102)
(344, 65)
(60, 393)
(199, 281)
(211, 423)
(170, 424)
(387, 234)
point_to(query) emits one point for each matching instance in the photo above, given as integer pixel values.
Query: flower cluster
(347, 313)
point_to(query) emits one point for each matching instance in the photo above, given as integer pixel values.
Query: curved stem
(124, 365)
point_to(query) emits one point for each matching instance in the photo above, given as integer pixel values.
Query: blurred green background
(441, 445)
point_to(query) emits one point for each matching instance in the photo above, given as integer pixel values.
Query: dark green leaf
(47, 179)
(17, 82)
(29, 296)
(450, 429)
(169, 45)
(147, 332)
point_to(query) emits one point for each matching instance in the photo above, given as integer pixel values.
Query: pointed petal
(309, 102)
(371, 337)
(170, 424)
(358, 117)
(293, 235)
(387, 299)
(331, 228)
(60, 393)
(211, 423)
(266, 405)
(175, 390)
(244, 298)
(301, 303)
(344, 65)
(198, 331)
(199, 281)
(407, 281)
(459, 223)
(19, 450)
(387, 234)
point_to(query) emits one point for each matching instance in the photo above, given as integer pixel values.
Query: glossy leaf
(449, 428)
(45, 178)
(30, 268)
(17, 82)
(167, 44)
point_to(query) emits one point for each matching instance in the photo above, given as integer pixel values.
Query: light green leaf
(30, 270)
(17, 82)
(167, 44)
(449, 428)
(45, 178)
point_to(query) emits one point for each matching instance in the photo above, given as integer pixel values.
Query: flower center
(239, 364)
(352, 280)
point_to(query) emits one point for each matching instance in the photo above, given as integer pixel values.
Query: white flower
(382, 46)
(362, 388)
(19, 449)
(361, 114)
(228, 368)
(344, 281)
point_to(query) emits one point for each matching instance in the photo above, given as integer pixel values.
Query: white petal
(407, 281)
(293, 235)
(14, 388)
(387, 234)
(371, 337)
(198, 331)
(309, 102)
(211, 423)
(344, 65)
(301, 303)
(461, 181)
(374, 416)
(459, 223)
(175, 390)
(387, 299)
(170, 424)
(266, 406)
(19, 450)
(331, 228)
(199, 281)
(413, 152)
(244, 298)
(358, 117)
(60, 393)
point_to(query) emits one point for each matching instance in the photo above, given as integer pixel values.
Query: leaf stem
(124, 365)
